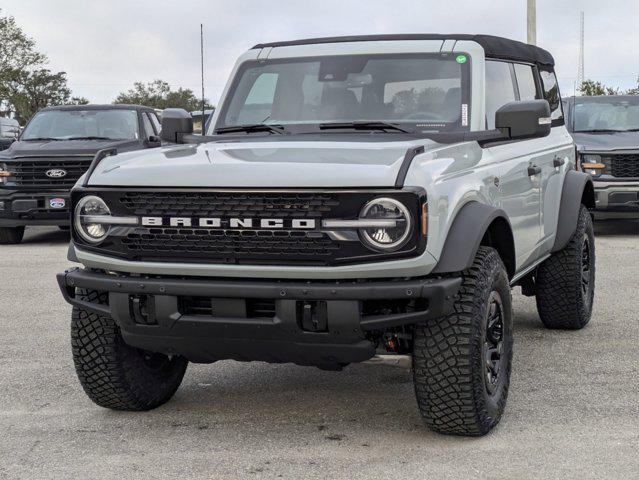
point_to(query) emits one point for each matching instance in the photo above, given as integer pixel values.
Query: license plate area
(56, 203)
(226, 307)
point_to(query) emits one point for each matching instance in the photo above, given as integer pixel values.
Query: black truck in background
(606, 133)
(56, 147)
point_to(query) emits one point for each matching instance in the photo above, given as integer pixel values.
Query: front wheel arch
(476, 225)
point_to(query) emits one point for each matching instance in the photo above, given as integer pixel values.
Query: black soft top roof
(495, 47)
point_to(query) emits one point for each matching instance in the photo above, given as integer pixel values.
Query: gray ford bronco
(353, 198)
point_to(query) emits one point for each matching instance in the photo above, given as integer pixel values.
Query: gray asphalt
(573, 410)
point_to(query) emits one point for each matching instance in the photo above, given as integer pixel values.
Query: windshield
(426, 92)
(605, 114)
(68, 124)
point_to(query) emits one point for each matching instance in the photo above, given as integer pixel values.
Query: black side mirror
(153, 141)
(526, 119)
(175, 123)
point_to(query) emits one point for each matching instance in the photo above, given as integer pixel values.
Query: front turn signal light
(3, 176)
(593, 168)
(425, 219)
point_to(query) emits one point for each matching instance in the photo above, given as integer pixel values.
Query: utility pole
(532, 22)
(580, 69)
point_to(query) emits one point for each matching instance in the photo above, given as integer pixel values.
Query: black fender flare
(577, 189)
(465, 236)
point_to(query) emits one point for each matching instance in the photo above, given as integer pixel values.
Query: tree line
(27, 85)
(592, 88)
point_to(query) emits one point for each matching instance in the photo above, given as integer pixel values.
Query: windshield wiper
(600, 130)
(373, 125)
(91, 138)
(42, 139)
(257, 127)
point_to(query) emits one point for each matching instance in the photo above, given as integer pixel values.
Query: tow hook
(312, 316)
(142, 309)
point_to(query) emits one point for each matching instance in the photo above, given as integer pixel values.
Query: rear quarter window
(526, 82)
(551, 93)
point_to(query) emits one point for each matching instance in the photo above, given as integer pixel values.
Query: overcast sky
(105, 46)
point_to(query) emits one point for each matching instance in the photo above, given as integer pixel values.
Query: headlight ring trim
(79, 217)
(405, 215)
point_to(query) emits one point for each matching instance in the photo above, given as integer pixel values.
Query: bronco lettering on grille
(234, 223)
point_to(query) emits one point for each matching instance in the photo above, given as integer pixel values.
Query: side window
(499, 89)
(156, 123)
(148, 128)
(551, 93)
(525, 82)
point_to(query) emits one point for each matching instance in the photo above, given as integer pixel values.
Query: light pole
(532, 22)
(580, 68)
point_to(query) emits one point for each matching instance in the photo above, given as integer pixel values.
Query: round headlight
(87, 221)
(386, 238)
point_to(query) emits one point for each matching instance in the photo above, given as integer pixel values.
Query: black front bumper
(232, 333)
(616, 198)
(19, 208)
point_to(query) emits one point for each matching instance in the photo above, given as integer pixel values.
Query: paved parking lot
(573, 410)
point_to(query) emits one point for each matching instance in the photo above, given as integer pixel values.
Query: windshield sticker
(461, 58)
(464, 114)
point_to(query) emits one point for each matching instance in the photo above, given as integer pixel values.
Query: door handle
(558, 162)
(533, 170)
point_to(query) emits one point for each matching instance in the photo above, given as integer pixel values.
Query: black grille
(623, 166)
(222, 244)
(33, 172)
(231, 245)
(230, 204)
(252, 244)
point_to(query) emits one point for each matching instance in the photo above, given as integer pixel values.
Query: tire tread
(110, 371)
(558, 282)
(448, 382)
(11, 235)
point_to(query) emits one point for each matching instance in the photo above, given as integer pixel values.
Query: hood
(603, 142)
(65, 147)
(291, 164)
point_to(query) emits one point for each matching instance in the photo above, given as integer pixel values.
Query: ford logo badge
(56, 173)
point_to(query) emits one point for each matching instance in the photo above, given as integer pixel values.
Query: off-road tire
(562, 300)
(449, 368)
(11, 235)
(113, 374)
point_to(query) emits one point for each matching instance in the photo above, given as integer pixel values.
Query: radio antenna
(580, 68)
(202, 69)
